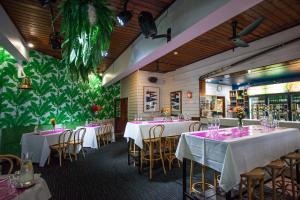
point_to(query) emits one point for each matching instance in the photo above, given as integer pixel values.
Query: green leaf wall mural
(53, 94)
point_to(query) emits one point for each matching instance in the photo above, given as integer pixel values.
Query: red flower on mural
(96, 108)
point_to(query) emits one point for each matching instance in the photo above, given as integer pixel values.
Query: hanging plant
(87, 26)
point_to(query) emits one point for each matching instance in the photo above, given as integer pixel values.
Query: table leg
(184, 179)
(228, 195)
(129, 151)
(140, 160)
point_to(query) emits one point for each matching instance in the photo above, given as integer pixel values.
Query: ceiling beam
(10, 37)
(188, 19)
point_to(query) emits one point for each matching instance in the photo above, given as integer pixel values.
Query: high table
(232, 151)
(139, 130)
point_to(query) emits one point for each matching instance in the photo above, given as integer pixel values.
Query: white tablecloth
(90, 139)
(39, 191)
(38, 145)
(236, 156)
(138, 131)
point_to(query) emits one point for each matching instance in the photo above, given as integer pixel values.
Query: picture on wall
(176, 103)
(151, 99)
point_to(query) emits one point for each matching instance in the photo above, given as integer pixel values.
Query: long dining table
(232, 151)
(139, 130)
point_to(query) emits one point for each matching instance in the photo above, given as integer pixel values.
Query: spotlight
(55, 40)
(175, 53)
(104, 53)
(124, 17)
(148, 27)
(30, 45)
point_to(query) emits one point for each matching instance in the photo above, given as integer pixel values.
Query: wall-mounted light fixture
(189, 94)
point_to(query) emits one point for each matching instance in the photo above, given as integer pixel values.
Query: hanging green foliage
(87, 26)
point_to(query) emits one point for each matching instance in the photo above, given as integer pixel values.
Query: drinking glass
(26, 172)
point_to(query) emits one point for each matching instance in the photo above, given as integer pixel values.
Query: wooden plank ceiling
(33, 22)
(279, 15)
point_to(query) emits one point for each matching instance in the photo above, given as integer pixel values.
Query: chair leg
(59, 154)
(151, 162)
(141, 160)
(82, 149)
(241, 189)
(249, 188)
(49, 158)
(191, 175)
(162, 159)
(261, 189)
(283, 184)
(292, 178)
(273, 183)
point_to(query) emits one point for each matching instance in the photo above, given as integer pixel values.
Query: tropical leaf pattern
(54, 93)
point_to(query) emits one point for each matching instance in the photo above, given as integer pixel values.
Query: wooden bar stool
(275, 169)
(292, 160)
(152, 150)
(249, 180)
(170, 146)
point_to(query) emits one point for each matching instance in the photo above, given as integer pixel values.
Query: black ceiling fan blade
(239, 42)
(251, 27)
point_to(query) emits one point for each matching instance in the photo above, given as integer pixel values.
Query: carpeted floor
(105, 175)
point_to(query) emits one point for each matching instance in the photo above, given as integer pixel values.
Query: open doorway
(121, 115)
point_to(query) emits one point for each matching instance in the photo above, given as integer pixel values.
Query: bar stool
(275, 169)
(292, 160)
(170, 146)
(249, 180)
(152, 150)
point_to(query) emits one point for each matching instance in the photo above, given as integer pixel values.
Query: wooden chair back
(195, 126)
(101, 130)
(10, 159)
(78, 135)
(155, 132)
(108, 128)
(64, 138)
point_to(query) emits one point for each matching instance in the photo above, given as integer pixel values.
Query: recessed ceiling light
(175, 53)
(227, 76)
(249, 71)
(100, 74)
(30, 45)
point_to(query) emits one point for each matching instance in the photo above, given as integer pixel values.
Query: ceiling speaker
(152, 79)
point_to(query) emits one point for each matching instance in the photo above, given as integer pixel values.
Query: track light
(124, 16)
(148, 27)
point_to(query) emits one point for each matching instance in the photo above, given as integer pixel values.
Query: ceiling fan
(237, 37)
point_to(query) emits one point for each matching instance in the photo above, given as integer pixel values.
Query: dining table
(136, 131)
(233, 151)
(39, 191)
(90, 138)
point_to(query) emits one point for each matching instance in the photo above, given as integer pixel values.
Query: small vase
(240, 124)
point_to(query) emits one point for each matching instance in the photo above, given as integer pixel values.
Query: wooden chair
(170, 146)
(99, 134)
(107, 137)
(152, 150)
(275, 169)
(75, 141)
(10, 159)
(292, 160)
(61, 146)
(249, 180)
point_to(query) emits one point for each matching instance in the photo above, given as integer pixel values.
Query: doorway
(121, 113)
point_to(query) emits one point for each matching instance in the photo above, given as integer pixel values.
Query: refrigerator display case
(278, 106)
(257, 107)
(295, 107)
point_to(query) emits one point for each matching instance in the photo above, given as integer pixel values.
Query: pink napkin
(224, 134)
(7, 192)
(48, 132)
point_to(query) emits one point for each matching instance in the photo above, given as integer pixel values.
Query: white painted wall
(211, 89)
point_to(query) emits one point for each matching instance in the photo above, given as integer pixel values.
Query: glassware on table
(26, 172)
